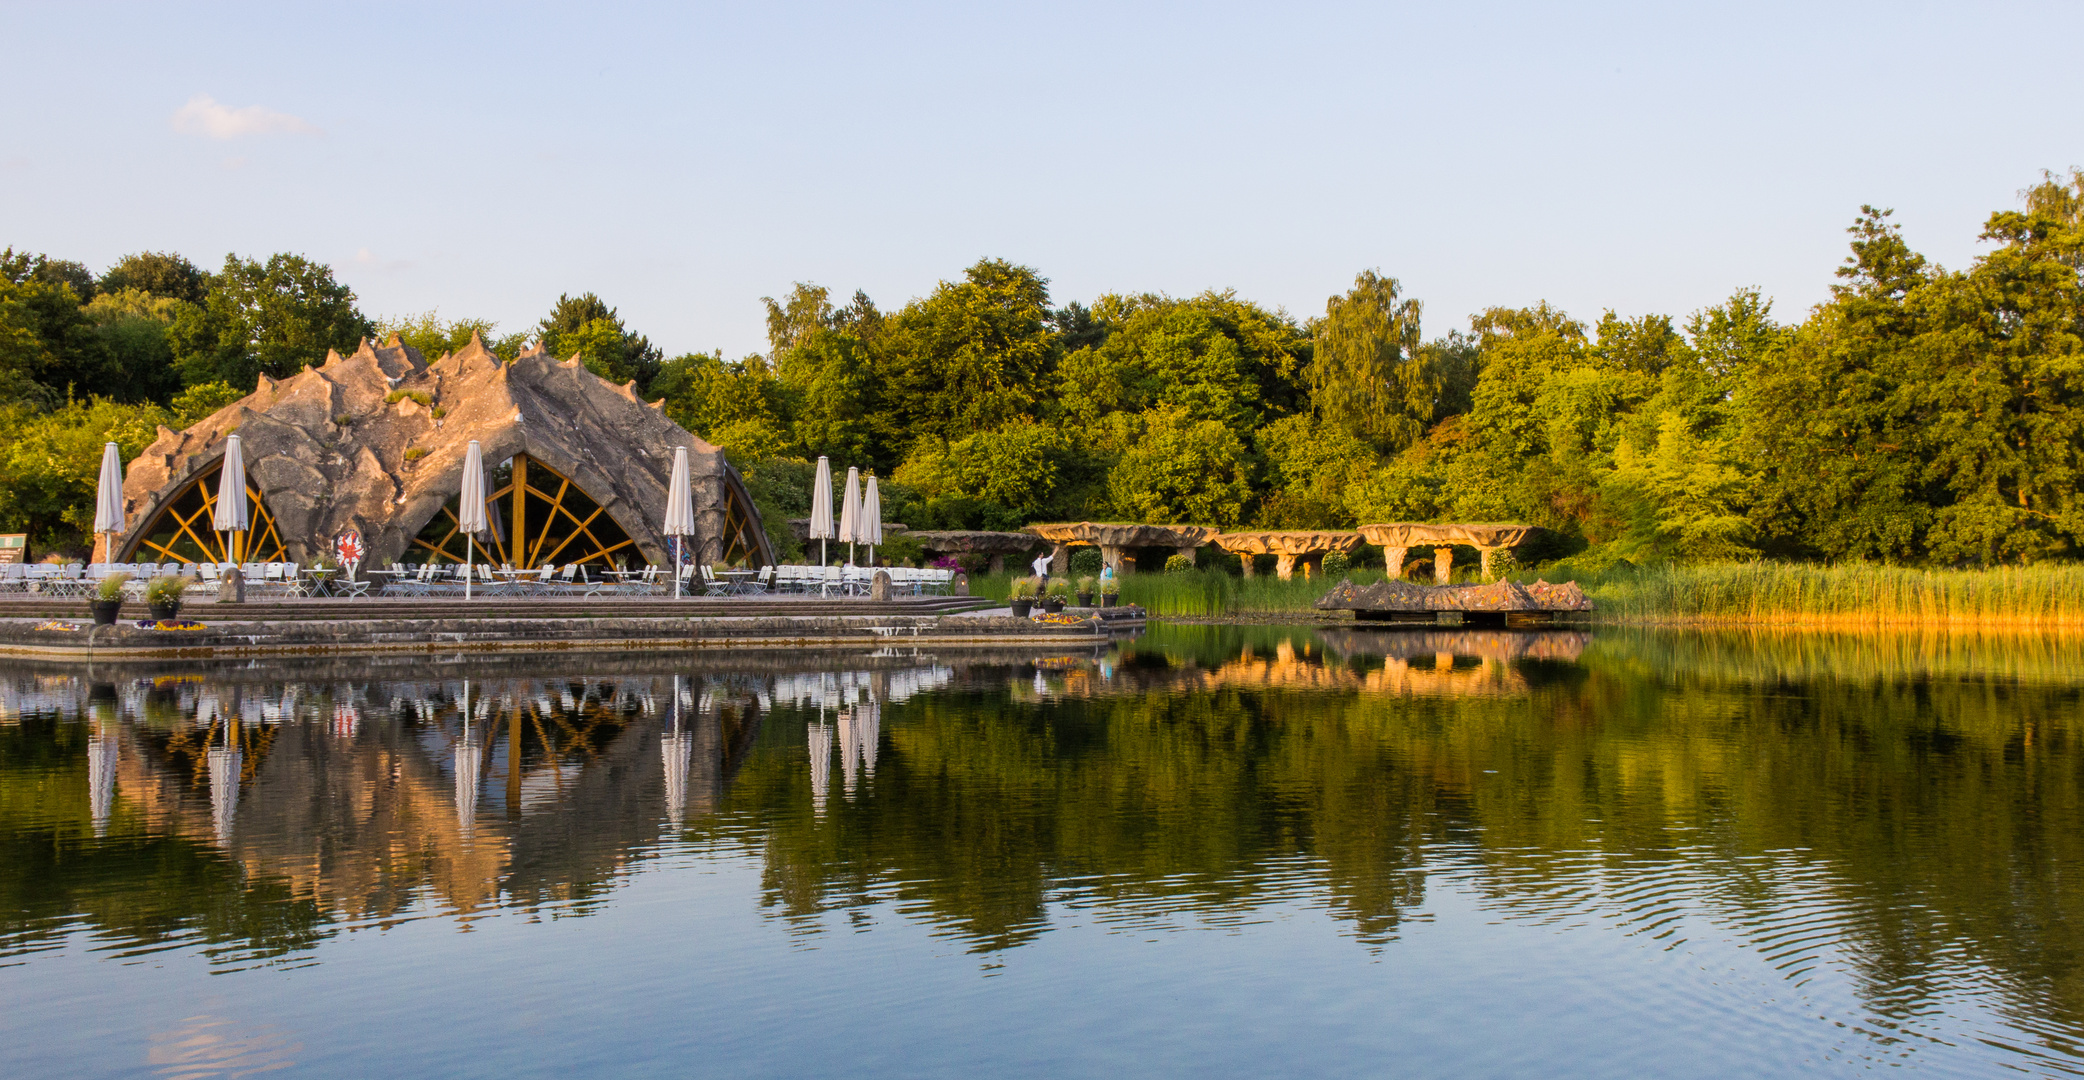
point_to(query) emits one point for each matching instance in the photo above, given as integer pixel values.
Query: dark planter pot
(1085, 599)
(167, 611)
(105, 611)
(1108, 601)
(1053, 605)
(1020, 607)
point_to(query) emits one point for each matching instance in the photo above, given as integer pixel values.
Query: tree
(587, 326)
(434, 338)
(268, 318)
(739, 406)
(1179, 469)
(158, 273)
(1015, 469)
(1368, 374)
(972, 356)
(133, 327)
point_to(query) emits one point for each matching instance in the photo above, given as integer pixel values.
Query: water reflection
(1896, 818)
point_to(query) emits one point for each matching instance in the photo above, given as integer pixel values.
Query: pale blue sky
(683, 162)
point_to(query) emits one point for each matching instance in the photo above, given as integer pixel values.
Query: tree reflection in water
(1902, 809)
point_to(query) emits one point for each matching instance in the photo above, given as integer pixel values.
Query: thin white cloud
(204, 116)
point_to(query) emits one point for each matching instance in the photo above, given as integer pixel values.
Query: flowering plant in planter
(163, 595)
(1085, 590)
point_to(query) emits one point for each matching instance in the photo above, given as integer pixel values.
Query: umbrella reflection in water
(225, 762)
(469, 765)
(101, 770)
(678, 749)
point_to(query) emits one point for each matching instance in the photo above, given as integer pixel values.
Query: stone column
(1060, 560)
(1112, 556)
(1244, 562)
(1284, 566)
(1313, 565)
(1486, 554)
(1393, 560)
(998, 562)
(1190, 553)
(1443, 564)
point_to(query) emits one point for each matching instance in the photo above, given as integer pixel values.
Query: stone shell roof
(330, 453)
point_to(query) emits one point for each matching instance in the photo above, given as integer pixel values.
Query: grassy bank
(1733, 593)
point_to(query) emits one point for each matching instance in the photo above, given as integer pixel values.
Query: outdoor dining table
(393, 577)
(318, 575)
(736, 580)
(516, 579)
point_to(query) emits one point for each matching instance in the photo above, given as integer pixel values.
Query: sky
(683, 160)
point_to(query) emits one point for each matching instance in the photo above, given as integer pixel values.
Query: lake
(1232, 851)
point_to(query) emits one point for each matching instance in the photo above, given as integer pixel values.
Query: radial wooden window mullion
(556, 504)
(578, 531)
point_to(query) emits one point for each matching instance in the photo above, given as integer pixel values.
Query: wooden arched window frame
(180, 531)
(538, 516)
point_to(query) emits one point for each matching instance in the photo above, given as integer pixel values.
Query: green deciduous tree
(587, 326)
(970, 357)
(1368, 374)
(269, 318)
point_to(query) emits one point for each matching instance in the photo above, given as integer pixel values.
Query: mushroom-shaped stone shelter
(578, 467)
(1115, 539)
(1397, 539)
(994, 545)
(1288, 546)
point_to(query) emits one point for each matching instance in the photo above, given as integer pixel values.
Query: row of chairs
(855, 580)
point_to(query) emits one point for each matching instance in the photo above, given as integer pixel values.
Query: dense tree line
(1920, 415)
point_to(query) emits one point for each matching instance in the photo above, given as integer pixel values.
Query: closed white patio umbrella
(850, 512)
(470, 511)
(108, 499)
(821, 506)
(230, 515)
(871, 519)
(680, 510)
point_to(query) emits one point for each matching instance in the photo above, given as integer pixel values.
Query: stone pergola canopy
(375, 442)
(1112, 538)
(1308, 546)
(1397, 538)
(801, 527)
(997, 545)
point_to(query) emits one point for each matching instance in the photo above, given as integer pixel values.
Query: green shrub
(415, 453)
(1086, 560)
(1337, 564)
(1179, 564)
(421, 396)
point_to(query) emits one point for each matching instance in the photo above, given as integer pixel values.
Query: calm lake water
(1209, 851)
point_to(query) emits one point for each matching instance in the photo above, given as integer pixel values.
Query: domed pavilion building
(577, 468)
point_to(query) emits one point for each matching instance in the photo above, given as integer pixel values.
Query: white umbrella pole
(469, 555)
(676, 568)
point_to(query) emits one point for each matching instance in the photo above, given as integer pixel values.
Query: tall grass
(1850, 595)
(1751, 593)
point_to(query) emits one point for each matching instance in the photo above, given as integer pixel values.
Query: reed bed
(1847, 595)
(1204, 593)
(1750, 593)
